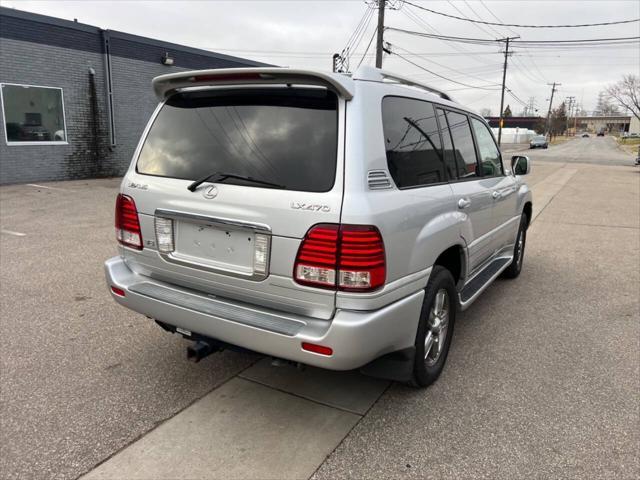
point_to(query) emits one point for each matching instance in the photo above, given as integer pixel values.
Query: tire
(515, 268)
(427, 367)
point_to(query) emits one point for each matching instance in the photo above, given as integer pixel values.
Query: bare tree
(627, 93)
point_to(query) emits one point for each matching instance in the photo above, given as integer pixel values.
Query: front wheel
(515, 268)
(435, 328)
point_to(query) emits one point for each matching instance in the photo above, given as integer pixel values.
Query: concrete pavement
(541, 380)
(543, 377)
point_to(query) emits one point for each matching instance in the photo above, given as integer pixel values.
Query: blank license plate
(215, 246)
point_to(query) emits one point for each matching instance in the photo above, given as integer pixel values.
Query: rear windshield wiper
(221, 176)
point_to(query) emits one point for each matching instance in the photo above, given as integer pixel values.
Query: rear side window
(412, 142)
(287, 137)
(447, 145)
(463, 145)
(489, 153)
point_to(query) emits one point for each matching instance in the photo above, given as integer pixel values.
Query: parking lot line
(46, 188)
(15, 234)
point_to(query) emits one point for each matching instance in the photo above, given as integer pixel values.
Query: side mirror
(520, 165)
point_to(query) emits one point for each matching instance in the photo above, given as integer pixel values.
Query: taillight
(346, 257)
(127, 224)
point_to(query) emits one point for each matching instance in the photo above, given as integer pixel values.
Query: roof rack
(373, 74)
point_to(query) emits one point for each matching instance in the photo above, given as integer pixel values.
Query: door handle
(496, 194)
(463, 203)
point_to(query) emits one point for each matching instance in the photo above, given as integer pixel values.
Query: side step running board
(482, 280)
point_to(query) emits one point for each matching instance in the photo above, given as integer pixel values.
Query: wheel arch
(454, 259)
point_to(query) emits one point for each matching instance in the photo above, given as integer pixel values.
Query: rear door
(470, 190)
(238, 237)
(502, 185)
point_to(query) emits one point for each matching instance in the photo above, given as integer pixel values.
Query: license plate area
(219, 245)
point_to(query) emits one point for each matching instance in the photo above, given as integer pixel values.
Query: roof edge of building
(60, 22)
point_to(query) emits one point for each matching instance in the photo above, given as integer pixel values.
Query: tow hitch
(202, 345)
(199, 350)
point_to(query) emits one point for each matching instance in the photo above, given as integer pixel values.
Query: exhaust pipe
(200, 350)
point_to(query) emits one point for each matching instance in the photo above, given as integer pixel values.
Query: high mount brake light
(343, 257)
(127, 224)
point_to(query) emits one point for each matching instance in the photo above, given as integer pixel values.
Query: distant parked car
(600, 134)
(539, 142)
(634, 135)
(585, 135)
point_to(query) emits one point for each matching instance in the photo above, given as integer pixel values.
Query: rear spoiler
(165, 85)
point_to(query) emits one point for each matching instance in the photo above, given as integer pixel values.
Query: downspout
(111, 124)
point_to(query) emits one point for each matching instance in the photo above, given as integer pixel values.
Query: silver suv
(331, 220)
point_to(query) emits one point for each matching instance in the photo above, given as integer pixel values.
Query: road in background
(593, 149)
(542, 379)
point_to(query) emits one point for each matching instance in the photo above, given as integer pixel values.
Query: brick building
(75, 98)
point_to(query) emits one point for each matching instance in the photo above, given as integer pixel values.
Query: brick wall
(37, 64)
(37, 50)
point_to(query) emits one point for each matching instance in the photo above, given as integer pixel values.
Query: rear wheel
(435, 328)
(515, 268)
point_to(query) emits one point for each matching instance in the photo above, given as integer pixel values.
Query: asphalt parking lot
(542, 380)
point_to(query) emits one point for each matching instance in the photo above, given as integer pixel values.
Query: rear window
(287, 137)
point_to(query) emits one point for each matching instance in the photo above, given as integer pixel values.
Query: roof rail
(373, 74)
(165, 85)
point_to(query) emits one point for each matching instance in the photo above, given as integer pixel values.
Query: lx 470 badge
(314, 207)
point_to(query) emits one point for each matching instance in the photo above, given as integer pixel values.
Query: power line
(524, 43)
(521, 25)
(466, 74)
(368, 46)
(474, 23)
(437, 74)
(422, 23)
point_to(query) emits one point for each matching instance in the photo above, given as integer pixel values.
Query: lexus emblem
(210, 192)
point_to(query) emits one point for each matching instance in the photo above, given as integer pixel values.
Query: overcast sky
(306, 33)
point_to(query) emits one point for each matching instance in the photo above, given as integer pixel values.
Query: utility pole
(380, 33)
(553, 90)
(571, 102)
(504, 78)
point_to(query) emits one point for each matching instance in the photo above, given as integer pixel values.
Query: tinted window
(33, 114)
(447, 144)
(463, 145)
(489, 153)
(412, 140)
(283, 136)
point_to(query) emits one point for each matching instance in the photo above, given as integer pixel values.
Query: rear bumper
(356, 337)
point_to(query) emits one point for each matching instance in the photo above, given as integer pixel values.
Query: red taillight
(127, 224)
(347, 257)
(118, 291)
(321, 349)
(361, 264)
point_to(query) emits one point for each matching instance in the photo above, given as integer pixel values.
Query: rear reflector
(321, 349)
(118, 291)
(127, 224)
(346, 257)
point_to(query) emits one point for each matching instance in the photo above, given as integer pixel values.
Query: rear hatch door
(275, 159)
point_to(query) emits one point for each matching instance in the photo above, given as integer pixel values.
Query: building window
(33, 115)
